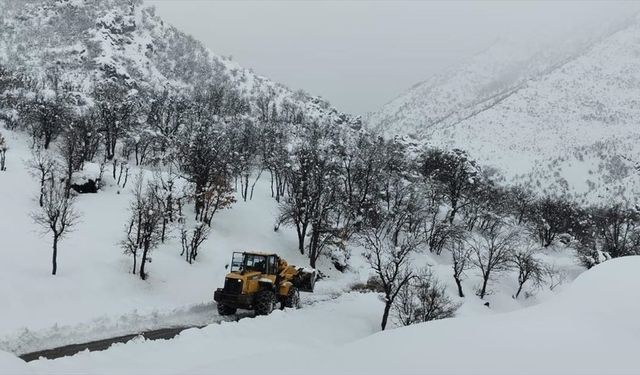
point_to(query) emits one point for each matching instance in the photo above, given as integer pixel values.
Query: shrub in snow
(529, 269)
(373, 284)
(619, 228)
(550, 217)
(423, 299)
(492, 251)
(590, 257)
(192, 239)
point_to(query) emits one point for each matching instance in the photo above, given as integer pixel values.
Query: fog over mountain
(361, 54)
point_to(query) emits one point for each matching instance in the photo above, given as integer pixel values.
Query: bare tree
(57, 215)
(164, 191)
(423, 299)
(191, 240)
(143, 230)
(529, 269)
(461, 255)
(70, 148)
(42, 166)
(492, 252)
(388, 256)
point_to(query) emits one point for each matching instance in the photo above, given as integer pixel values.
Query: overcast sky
(360, 54)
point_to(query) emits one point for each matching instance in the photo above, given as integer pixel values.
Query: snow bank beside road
(10, 364)
(590, 328)
(267, 343)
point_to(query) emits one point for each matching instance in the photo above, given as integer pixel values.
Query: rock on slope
(564, 123)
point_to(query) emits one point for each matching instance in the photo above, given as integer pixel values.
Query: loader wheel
(264, 302)
(226, 310)
(292, 299)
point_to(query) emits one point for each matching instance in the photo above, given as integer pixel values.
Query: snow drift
(590, 328)
(10, 364)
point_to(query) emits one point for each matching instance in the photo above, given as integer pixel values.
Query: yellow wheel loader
(259, 281)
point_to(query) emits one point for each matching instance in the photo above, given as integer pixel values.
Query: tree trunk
(313, 248)
(301, 242)
(143, 274)
(164, 229)
(519, 290)
(459, 284)
(135, 262)
(385, 315)
(41, 192)
(54, 258)
(483, 291)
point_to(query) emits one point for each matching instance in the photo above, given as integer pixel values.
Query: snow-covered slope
(590, 328)
(91, 40)
(563, 122)
(94, 295)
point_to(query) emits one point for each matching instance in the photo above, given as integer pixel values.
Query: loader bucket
(306, 280)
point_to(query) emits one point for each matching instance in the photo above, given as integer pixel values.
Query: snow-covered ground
(589, 328)
(94, 296)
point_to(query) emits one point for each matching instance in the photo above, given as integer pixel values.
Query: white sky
(359, 54)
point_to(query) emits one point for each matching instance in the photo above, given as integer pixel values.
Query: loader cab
(254, 262)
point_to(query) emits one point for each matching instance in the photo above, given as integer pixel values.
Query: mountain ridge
(533, 128)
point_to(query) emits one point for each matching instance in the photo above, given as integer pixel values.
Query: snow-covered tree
(457, 174)
(116, 104)
(551, 217)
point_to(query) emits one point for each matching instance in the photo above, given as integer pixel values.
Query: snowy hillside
(572, 333)
(95, 296)
(134, 162)
(93, 40)
(564, 122)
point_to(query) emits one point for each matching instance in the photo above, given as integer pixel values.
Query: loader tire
(264, 302)
(292, 300)
(226, 310)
